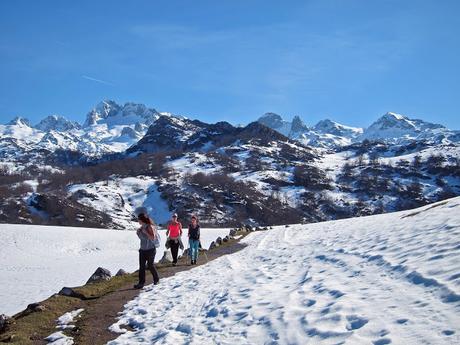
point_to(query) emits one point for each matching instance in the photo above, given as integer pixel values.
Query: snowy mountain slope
(37, 261)
(119, 197)
(383, 279)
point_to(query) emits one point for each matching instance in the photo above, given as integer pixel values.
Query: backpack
(157, 239)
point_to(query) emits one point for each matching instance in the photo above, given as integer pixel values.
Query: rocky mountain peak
(111, 113)
(56, 123)
(271, 120)
(19, 121)
(298, 125)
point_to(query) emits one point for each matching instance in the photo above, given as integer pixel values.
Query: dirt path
(100, 313)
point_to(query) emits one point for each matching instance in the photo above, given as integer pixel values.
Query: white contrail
(97, 80)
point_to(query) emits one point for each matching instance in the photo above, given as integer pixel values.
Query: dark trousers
(147, 256)
(174, 249)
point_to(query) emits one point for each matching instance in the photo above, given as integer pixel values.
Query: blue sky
(347, 60)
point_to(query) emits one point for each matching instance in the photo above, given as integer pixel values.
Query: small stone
(265, 228)
(36, 307)
(100, 274)
(121, 272)
(167, 258)
(212, 245)
(233, 232)
(66, 291)
(219, 240)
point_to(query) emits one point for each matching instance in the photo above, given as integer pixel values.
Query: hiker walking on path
(148, 235)
(174, 233)
(194, 239)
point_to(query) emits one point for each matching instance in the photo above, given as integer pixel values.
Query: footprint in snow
(356, 322)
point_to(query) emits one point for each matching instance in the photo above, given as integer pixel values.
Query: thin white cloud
(97, 80)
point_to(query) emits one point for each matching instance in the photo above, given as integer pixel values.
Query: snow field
(392, 278)
(37, 261)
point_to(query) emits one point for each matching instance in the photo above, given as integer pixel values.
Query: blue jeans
(194, 246)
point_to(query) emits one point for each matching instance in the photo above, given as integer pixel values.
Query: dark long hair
(144, 219)
(147, 220)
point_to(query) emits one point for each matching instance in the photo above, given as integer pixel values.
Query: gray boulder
(100, 274)
(121, 272)
(34, 307)
(69, 292)
(167, 258)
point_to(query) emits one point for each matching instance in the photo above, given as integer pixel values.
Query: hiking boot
(156, 282)
(138, 286)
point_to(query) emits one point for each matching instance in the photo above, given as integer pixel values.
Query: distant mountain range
(112, 128)
(390, 128)
(270, 171)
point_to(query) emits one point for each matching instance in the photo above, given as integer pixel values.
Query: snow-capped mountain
(325, 134)
(57, 123)
(391, 128)
(276, 122)
(109, 128)
(113, 114)
(396, 128)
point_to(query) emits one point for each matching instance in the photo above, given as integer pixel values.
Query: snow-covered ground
(392, 278)
(37, 261)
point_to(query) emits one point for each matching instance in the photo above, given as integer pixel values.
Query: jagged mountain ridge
(390, 128)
